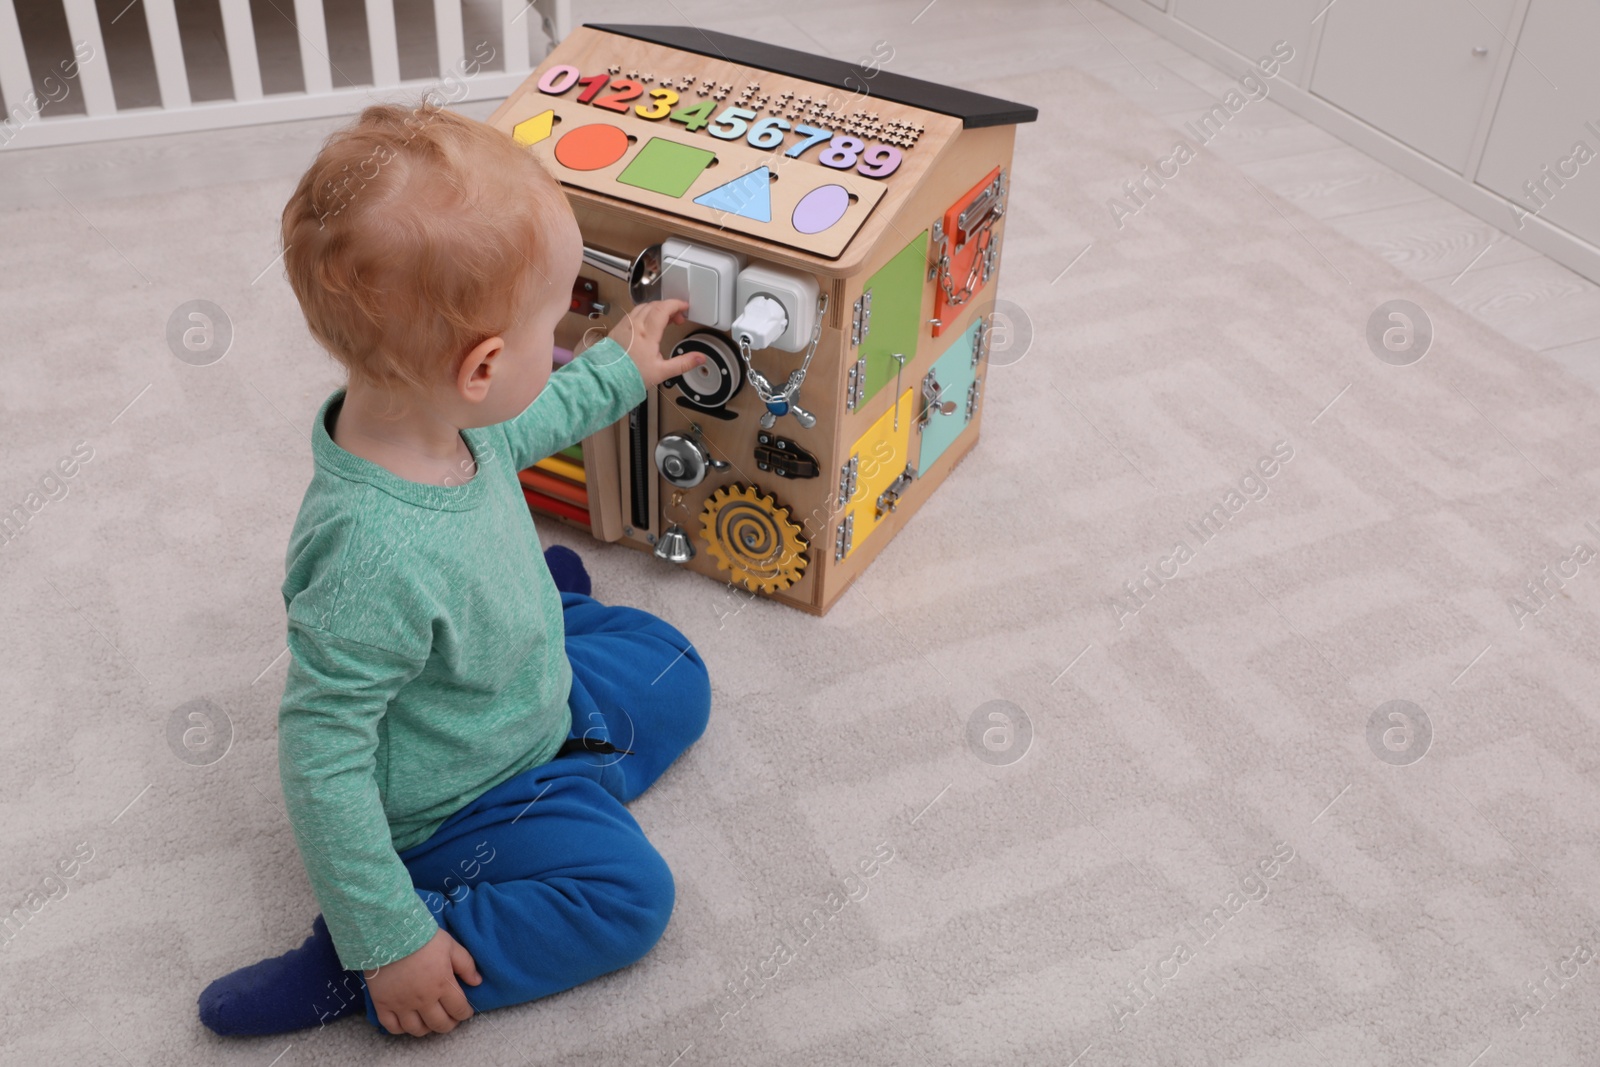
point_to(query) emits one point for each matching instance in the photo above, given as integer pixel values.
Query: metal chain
(792, 386)
(983, 237)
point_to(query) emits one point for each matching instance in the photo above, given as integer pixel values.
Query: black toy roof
(973, 109)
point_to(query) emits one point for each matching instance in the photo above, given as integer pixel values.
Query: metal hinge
(890, 497)
(972, 398)
(860, 319)
(847, 481)
(855, 383)
(980, 340)
(842, 539)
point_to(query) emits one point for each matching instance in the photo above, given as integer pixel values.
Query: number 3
(664, 99)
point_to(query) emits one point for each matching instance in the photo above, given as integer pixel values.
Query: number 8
(841, 152)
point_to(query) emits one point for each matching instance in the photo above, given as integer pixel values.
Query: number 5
(731, 123)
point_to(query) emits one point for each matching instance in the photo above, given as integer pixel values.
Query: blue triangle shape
(747, 196)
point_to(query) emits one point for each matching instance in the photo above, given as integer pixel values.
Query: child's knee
(689, 681)
(650, 897)
(696, 690)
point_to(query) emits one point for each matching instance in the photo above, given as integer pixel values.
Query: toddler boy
(459, 731)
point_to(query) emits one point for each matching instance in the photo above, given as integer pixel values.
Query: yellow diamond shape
(532, 131)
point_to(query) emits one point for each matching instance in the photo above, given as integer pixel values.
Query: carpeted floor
(1214, 847)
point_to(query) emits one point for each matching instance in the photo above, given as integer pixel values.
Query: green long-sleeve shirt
(427, 656)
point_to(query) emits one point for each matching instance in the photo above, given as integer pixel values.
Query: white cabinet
(1492, 104)
(1420, 71)
(1548, 121)
(1252, 27)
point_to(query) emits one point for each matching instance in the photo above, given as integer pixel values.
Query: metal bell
(673, 545)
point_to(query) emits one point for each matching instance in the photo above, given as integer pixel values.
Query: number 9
(879, 161)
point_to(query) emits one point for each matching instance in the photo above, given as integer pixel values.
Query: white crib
(70, 91)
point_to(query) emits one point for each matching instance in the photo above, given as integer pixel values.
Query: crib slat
(452, 39)
(94, 75)
(315, 64)
(167, 47)
(514, 32)
(240, 35)
(557, 18)
(381, 36)
(16, 82)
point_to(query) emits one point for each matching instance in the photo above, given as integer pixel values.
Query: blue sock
(567, 569)
(301, 988)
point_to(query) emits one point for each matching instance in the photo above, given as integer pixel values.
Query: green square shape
(666, 167)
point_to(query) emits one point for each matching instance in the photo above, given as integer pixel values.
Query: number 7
(811, 136)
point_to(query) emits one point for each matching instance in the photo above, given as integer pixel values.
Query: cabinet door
(1253, 27)
(1419, 71)
(1549, 108)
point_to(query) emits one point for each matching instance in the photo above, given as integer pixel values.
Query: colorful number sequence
(842, 151)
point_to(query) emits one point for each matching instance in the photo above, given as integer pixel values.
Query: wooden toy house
(820, 217)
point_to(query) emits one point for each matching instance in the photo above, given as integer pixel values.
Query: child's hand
(640, 333)
(419, 994)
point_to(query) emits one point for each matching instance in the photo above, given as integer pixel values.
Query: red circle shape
(591, 147)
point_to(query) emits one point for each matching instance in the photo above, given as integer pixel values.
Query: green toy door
(891, 317)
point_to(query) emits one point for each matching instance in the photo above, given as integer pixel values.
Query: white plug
(762, 322)
(796, 293)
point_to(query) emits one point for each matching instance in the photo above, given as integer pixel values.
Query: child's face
(524, 365)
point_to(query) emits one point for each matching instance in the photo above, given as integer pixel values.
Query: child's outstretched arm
(600, 385)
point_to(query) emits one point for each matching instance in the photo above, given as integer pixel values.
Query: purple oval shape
(821, 208)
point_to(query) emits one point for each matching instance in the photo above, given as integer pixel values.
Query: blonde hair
(415, 235)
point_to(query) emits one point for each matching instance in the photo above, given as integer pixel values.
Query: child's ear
(478, 368)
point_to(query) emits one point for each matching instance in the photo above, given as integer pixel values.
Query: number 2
(627, 89)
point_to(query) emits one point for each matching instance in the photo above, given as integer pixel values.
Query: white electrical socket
(704, 278)
(796, 292)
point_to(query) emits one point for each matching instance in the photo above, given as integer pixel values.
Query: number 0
(558, 80)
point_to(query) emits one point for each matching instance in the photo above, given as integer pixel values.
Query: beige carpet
(1200, 859)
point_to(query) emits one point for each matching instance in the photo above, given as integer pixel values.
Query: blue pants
(546, 879)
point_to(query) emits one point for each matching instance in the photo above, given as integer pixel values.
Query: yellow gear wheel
(750, 534)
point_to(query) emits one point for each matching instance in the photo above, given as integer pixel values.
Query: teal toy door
(948, 396)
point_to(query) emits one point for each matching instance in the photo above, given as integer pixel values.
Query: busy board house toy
(836, 230)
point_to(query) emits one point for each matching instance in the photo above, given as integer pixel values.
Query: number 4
(693, 118)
